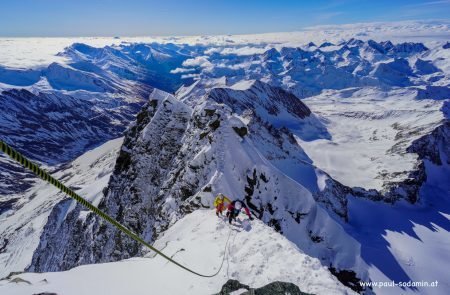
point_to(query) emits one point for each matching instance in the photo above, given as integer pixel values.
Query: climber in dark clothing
(234, 208)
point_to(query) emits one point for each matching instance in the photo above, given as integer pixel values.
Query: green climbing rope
(22, 160)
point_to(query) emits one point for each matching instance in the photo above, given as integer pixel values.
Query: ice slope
(21, 225)
(255, 255)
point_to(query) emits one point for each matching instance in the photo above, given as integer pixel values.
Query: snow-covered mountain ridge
(372, 125)
(199, 240)
(227, 145)
(217, 157)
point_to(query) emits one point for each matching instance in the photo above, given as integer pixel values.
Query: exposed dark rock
(7, 204)
(3, 245)
(348, 278)
(18, 280)
(203, 135)
(209, 112)
(11, 274)
(326, 44)
(429, 147)
(215, 124)
(277, 288)
(434, 92)
(272, 98)
(231, 286)
(425, 67)
(241, 131)
(315, 238)
(274, 288)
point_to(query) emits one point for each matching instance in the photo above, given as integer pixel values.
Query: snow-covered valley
(370, 132)
(339, 148)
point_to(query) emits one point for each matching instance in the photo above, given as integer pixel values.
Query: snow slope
(404, 242)
(256, 255)
(21, 226)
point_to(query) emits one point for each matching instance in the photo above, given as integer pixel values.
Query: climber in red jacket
(234, 208)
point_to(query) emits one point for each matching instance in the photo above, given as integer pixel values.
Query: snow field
(198, 241)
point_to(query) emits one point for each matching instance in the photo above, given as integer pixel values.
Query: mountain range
(339, 149)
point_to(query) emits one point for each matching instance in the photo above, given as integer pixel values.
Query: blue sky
(195, 17)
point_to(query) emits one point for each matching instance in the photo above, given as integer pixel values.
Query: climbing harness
(22, 160)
